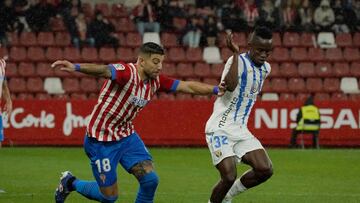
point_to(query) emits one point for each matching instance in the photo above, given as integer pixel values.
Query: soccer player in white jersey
(110, 136)
(5, 95)
(227, 135)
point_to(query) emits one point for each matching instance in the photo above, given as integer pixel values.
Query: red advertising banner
(176, 123)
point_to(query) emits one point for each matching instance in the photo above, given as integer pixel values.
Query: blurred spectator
(102, 31)
(177, 8)
(145, 18)
(79, 32)
(210, 31)
(233, 18)
(324, 16)
(289, 16)
(39, 14)
(9, 21)
(163, 16)
(306, 16)
(339, 24)
(269, 15)
(69, 9)
(192, 33)
(352, 16)
(251, 12)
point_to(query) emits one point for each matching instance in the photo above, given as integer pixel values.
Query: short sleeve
(120, 73)
(226, 68)
(168, 84)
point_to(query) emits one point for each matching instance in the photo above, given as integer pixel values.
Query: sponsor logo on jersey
(119, 67)
(226, 113)
(137, 101)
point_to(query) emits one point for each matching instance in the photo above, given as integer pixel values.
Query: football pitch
(187, 176)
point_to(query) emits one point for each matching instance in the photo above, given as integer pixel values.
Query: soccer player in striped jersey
(227, 135)
(110, 136)
(5, 95)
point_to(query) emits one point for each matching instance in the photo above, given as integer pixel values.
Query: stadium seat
(288, 69)
(356, 39)
(78, 96)
(54, 53)
(169, 69)
(324, 69)
(36, 54)
(349, 85)
(53, 85)
(339, 97)
(307, 39)
(326, 40)
(341, 69)
(316, 54)
(3, 51)
(118, 10)
(165, 96)
(355, 69)
(201, 97)
(179, 23)
(71, 85)
(13, 39)
(267, 86)
(26, 69)
(280, 54)
(331, 85)
(279, 85)
(180, 96)
(44, 70)
(225, 54)
(177, 54)
(351, 54)
(46, 39)
(238, 37)
(314, 85)
(301, 97)
(334, 55)
(18, 54)
(216, 70)
(298, 54)
(343, 39)
(107, 55)
(212, 55)
(72, 54)
(65, 97)
(275, 70)
(11, 70)
(42, 96)
(185, 70)
(194, 55)
(35, 84)
(125, 25)
(93, 96)
(17, 85)
(104, 8)
(211, 81)
(296, 85)
(287, 97)
(57, 24)
(28, 39)
(89, 55)
(276, 40)
(354, 97)
(126, 54)
(321, 96)
(133, 39)
(88, 85)
(62, 39)
(169, 40)
(151, 37)
(25, 96)
(202, 70)
(291, 39)
(306, 69)
(270, 97)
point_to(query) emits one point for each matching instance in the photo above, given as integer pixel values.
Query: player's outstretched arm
(87, 68)
(198, 88)
(5, 91)
(231, 78)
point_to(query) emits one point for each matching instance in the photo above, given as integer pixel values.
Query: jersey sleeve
(120, 73)
(267, 69)
(167, 84)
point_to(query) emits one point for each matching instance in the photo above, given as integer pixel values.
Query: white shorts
(222, 146)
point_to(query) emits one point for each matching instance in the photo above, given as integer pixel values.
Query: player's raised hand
(2, 63)
(64, 65)
(230, 42)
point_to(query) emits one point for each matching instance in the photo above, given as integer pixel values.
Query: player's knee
(150, 181)
(264, 173)
(229, 178)
(108, 199)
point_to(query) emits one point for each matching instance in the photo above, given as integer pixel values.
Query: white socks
(235, 189)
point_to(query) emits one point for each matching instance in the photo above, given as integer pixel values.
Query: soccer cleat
(64, 188)
(226, 200)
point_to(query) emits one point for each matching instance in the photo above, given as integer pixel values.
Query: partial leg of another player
(260, 172)
(228, 173)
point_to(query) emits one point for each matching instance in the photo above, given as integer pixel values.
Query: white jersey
(231, 111)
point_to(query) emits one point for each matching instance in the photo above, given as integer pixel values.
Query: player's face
(152, 65)
(260, 50)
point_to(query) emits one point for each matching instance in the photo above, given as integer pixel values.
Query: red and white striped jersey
(120, 99)
(2, 75)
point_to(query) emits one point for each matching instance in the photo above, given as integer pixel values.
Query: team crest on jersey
(255, 88)
(218, 153)
(119, 66)
(103, 178)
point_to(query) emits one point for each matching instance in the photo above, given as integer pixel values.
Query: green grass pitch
(187, 176)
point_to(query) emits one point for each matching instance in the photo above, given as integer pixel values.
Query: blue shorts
(105, 156)
(1, 129)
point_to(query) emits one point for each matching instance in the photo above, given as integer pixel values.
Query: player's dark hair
(263, 32)
(151, 48)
